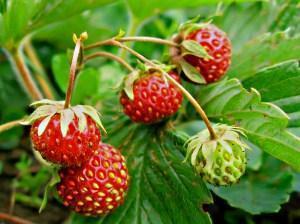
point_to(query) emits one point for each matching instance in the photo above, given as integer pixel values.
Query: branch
(111, 56)
(13, 219)
(21, 69)
(137, 39)
(9, 125)
(39, 70)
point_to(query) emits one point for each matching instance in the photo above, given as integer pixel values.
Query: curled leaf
(129, 81)
(191, 47)
(191, 72)
(53, 181)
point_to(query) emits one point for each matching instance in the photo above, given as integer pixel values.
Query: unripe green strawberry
(220, 161)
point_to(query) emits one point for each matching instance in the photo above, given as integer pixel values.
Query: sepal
(46, 109)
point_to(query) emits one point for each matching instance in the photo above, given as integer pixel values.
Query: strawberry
(73, 149)
(98, 186)
(66, 137)
(217, 45)
(153, 98)
(220, 161)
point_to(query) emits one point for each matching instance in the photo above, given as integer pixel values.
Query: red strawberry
(153, 99)
(65, 136)
(73, 149)
(217, 45)
(99, 186)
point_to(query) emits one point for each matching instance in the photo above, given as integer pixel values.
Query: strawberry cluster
(93, 175)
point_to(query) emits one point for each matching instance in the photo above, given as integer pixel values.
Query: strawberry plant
(154, 112)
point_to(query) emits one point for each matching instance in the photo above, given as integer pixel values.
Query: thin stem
(72, 75)
(26, 77)
(9, 125)
(13, 219)
(150, 40)
(39, 70)
(134, 38)
(192, 100)
(111, 56)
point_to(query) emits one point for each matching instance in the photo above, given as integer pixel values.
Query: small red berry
(98, 186)
(71, 150)
(217, 45)
(154, 99)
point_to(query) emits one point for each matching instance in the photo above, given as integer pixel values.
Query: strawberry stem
(110, 56)
(9, 125)
(38, 68)
(136, 39)
(192, 100)
(13, 219)
(73, 67)
(20, 68)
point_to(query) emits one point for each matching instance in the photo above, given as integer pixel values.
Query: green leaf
(150, 8)
(254, 156)
(100, 24)
(256, 55)
(191, 72)
(87, 78)
(60, 10)
(162, 188)
(265, 124)
(87, 84)
(194, 48)
(260, 192)
(60, 68)
(283, 88)
(53, 181)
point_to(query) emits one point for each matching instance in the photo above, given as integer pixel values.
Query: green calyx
(47, 108)
(220, 161)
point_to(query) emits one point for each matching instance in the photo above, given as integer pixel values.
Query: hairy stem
(111, 56)
(39, 70)
(9, 125)
(192, 100)
(72, 75)
(23, 72)
(136, 39)
(13, 219)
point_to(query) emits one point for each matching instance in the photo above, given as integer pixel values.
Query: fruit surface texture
(217, 45)
(99, 186)
(71, 150)
(154, 99)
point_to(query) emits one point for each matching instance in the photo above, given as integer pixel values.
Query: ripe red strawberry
(99, 186)
(153, 99)
(65, 136)
(217, 45)
(73, 149)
